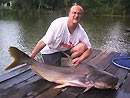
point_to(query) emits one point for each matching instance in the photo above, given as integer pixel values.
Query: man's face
(75, 14)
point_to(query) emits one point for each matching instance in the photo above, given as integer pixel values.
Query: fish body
(82, 75)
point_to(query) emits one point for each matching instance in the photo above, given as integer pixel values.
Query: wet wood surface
(24, 83)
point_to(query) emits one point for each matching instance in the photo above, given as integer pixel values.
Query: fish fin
(61, 86)
(66, 61)
(12, 65)
(87, 88)
(19, 57)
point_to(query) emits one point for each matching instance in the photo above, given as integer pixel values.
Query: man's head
(75, 13)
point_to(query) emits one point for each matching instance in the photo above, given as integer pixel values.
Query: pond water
(24, 31)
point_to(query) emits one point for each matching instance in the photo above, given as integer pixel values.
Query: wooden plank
(49, 93)
(12, 91)
(94, 61)
(109, 67)
(105, 63)
(70, 92)
(112, 69)
(17, 79)
(122, 74)
(124, 91)
(98, 93)
(93, 55)
(106, 93)
(89, 94)
(101, 57)
(117, 71)
(29, 88)
(14, 73)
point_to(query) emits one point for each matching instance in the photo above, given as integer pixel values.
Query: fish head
(104, 80)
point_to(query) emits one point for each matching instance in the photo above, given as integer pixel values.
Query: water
(25, 31)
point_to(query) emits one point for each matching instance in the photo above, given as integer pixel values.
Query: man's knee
(80, 48)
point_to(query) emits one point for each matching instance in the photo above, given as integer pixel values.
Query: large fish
(82, 75)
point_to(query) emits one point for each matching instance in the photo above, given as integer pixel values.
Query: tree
(92, 6)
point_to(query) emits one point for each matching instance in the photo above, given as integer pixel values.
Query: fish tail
(19, 57)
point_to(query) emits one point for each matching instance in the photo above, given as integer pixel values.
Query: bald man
(64, 34)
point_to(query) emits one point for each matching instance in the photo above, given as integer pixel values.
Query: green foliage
(90, 6)
(25, 4)
(125, 4)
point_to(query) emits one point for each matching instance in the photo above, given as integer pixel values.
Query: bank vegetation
(111, 7)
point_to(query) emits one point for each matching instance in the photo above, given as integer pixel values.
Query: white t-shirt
(58, 37)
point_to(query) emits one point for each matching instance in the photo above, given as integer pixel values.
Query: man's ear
(68, 13)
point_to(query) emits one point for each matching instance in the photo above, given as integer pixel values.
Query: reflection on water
(25, 31)
(115, 39)
(108, 32)
(9, 35)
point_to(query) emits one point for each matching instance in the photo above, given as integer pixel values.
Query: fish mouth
(105, 86)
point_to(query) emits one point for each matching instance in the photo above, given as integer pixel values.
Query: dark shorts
(54, 58)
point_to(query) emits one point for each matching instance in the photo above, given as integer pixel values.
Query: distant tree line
(90, 6)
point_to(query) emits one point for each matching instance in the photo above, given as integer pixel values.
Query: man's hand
(76, 61)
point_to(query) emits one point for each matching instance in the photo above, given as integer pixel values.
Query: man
(65, 34)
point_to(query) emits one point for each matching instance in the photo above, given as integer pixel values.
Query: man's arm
(37, 48)
(78, 60)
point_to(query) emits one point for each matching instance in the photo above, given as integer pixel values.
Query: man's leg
(55, 58)
(78, 50)
(52, 59)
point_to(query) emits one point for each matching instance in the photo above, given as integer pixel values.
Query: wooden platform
(128, 30)
(24, 83)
